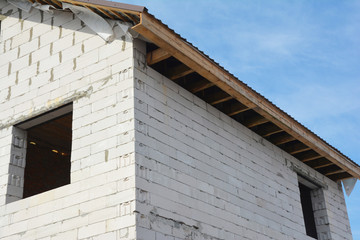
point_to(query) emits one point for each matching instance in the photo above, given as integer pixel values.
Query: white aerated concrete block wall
(202, 175)
(149, 160)
(47, 61)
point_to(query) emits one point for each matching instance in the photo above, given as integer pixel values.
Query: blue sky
(304, 56)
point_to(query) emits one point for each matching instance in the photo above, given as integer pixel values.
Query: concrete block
(92, 230)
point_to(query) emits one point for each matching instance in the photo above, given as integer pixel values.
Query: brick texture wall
(47, 61)
(202, 175)
(149, 159)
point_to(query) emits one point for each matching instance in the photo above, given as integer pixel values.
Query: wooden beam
(300, 150)
(281, 139)
(311, 158)
(318, 163)
(268, 130)
(323, 165)
(129, 15)
(294, 147)
(156, 56)
(162, 36)
(308, 156)
(56, 2)
(254, 121)
(106, 13)
(340, 176)
(334, 172)
(178, 72)
(198, 85)
(329, 170)
(235, 108)
(118, 15)
(217, 97)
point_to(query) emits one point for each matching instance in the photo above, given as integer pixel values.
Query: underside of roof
(180, 61)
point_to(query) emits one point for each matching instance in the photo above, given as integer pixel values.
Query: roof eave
(165, 38)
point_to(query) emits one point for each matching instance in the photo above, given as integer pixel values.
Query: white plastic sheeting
(94, 21)
(349, 185)
(23, 5)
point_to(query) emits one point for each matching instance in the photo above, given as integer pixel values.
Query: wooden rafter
(57, 3)
(308, 156)
(130, 17)
(254, 121)
(217, 97)
(235, 108)
(329, 170)
(323, 165)
(106, 13)
(198, 85)
(156, 56)
(268, 129)
(318, 163)
(95, 10)
(178, 72)
(294, 147)
(338, 176)
(281, 139)
(118, 15)
(41, 2)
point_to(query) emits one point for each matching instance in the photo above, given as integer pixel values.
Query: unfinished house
(112, 126)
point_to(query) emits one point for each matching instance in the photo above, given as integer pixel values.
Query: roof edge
(157, 32)
(104, 3)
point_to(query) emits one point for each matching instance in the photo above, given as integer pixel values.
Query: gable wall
(47, 61)
(202, 175)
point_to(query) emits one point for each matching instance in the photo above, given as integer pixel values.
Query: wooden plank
(197, 85)
(311, 158)
(281, 139)
(318, 163)
(128, 15)
(217, 97)
(308, 156)
(56, 2)
(106, 13)
(268, 129)
(163, 37)
(53, 3)
(178, 72)
(340, 176)
(254, 121)
(156, 56)
(294, 147)
(331, 169)
(235, 108)
(334, 172)
(118, 15)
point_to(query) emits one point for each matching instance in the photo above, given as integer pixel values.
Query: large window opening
(47, 151)
(308, 211)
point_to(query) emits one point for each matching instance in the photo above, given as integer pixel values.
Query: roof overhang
(287, 133)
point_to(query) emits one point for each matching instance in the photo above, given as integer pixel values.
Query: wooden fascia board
(162, 36)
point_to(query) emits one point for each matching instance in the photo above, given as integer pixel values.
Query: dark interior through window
(306, 203)
(48, 155)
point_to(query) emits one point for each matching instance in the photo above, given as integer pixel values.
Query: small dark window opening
(48, 151)
(306, 203)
